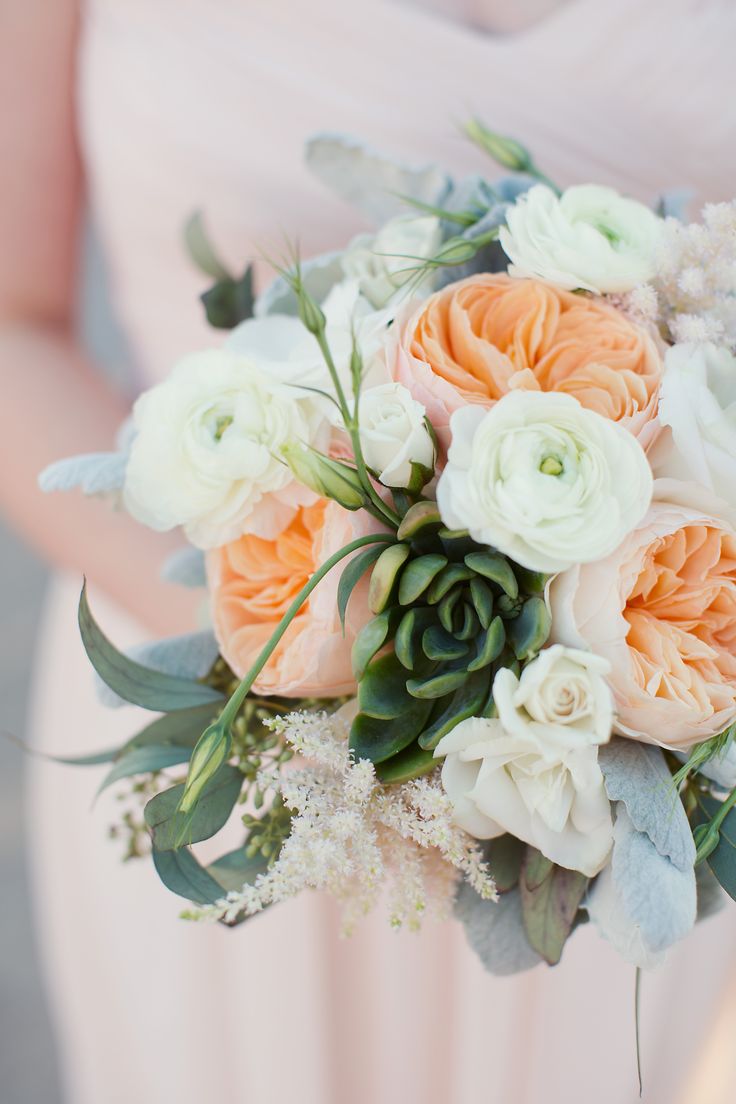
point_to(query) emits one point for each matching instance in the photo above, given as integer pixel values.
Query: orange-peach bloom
(662, 609)
(252, 582)
(479, 338)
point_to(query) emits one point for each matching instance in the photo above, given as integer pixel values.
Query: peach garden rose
(479, 338)
(662, 610)
(252, 582)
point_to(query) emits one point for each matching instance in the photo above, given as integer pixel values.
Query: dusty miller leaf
(495, 931)
(94, 473)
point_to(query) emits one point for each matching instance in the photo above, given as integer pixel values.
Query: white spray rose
(384, 262)
(589, 237)
(394, 434)
(543, 479)
(698, 404)
(206, 451)
(533, 771)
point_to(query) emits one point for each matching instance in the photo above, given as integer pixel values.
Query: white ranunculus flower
(394, 434)
(206, 452)
(546, 481)
(533, 771)
(698, 405)
(384, 262)
(589, 237)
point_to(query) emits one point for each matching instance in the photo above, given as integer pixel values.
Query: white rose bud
(384, 262)
(533, 771)
(698, 403)
(394, 435)
(207, 450)
(590, 237)
(546, 481)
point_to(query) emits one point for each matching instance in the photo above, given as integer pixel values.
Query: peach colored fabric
(486, 335)
(253, 582)
(185, 104)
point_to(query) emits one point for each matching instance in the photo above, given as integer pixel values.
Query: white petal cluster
(544, 480)
(394, 434)
(590, 237)
(350, 836)
(383, 263)
(533, 771)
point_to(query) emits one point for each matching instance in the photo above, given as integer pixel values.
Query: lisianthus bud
(328, 478)
(208, 756)
(506, 151)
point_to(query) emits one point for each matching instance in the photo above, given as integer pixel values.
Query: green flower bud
(310, 312)
(212, 749)
(328, 478)
(506, 151)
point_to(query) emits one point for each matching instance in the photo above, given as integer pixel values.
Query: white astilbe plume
(352, 837)
(696, 277)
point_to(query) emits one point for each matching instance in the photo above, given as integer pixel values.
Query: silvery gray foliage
(637, 775)
(370, 181)
(94, 473)
(320, 274)
(495, 931)
(188, 656)
(657, 897)
(674, 204)
(185, 567)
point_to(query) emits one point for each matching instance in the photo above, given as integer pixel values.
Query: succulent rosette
(461, 497)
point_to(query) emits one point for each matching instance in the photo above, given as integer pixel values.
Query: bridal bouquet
(462, 497)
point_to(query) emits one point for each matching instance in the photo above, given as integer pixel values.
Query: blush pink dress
(189, 103)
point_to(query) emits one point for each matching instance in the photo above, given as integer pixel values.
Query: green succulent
(448, 613)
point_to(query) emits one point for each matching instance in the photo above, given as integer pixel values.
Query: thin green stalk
(708, 840)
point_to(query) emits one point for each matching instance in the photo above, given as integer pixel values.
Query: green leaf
(467, 701)
(180, 729)
(438, 644)
(145, 760)
(482, 596)
(213, 808)
(470, 625)
(234, 869)
(382, 691)
(133, 682)
(452, 574)
(410, 763)
(456, 542)
(371, 639)
(531, 582)
(352, 575)
(550, 898)
(505, 855)
(229, 302)
(385, 575)
(436, 686)
(409, 634)
(378, 740)
(94, 760)
(722, 860)
(446, 609)
(528, 632)
(495, 567)
(420, 517)
(417, 575)
(490, 645)
(182, 874)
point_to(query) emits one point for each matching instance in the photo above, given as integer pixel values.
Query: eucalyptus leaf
(229, 302)
(722, 860)
(200, 248)
(550, 899)
(234, 869)
(180, 729)
(210, 814)
(145, 760)
(637, 775)
(182, 874)
(133, 682)
(189, 656)
(495, 931)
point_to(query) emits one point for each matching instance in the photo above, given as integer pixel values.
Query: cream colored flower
(383, 263)
(533, 771)
(544, 480)
(590, 237)
(394, 434)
